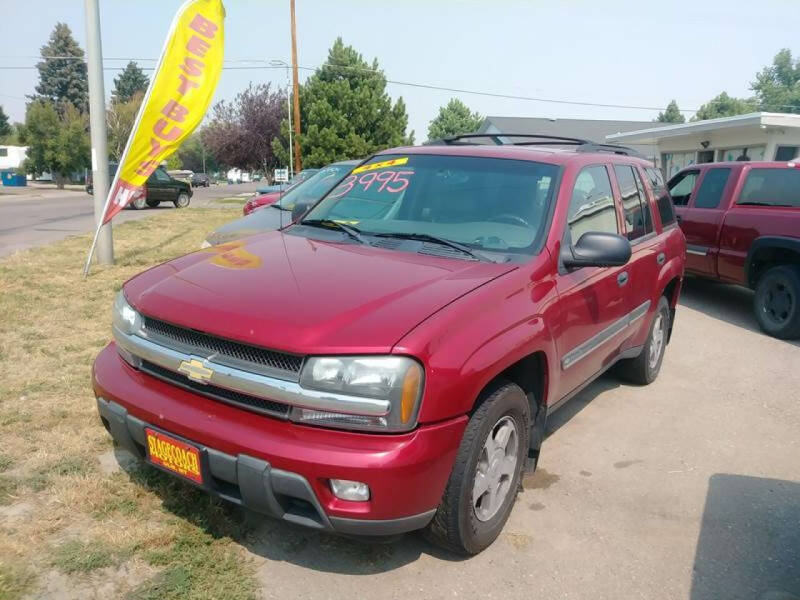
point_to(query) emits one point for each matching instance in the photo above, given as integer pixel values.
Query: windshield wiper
(279, 207)
(426, 237)
(351, 231)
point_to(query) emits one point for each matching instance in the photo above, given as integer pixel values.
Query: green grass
(14, 582)
(76, 556)
(232, 200)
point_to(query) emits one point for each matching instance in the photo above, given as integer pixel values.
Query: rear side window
(592, 205)
(681, 186)
(771, 187)
(636, 209)
(710, 192)
(663, 200)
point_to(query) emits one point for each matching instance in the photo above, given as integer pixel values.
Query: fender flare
(764, 242)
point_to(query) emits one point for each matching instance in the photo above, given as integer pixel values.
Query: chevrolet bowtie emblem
(195, 370)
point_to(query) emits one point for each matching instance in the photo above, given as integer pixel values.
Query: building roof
(651, 135)
(592, 129)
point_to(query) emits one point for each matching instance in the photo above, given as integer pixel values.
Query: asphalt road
(685, 489)
(44, 216)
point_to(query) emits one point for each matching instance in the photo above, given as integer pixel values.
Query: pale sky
(630, 53)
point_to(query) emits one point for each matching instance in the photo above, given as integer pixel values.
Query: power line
(428, 86)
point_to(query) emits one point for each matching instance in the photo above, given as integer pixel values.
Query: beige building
(754, 136)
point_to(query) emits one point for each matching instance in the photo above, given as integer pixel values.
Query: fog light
(355, 491)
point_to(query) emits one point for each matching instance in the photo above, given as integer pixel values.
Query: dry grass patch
(62, 513)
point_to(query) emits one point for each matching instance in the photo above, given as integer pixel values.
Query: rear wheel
(777, 302)
(645, 368)
(139, 203)
(486, 475)
(182, 201)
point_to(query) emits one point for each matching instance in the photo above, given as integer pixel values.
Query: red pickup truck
(388, 362)
(742, 225)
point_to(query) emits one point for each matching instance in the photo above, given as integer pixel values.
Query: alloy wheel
(496, 467)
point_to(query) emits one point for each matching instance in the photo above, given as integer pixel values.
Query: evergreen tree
(454, 118)
(5, 128)
(671, 115)
(345, 111)
(63, 79)
(131, 80)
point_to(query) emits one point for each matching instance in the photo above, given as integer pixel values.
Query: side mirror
(597, 249)
(299, 210)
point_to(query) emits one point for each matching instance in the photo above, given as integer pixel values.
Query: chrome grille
(229, 396)
(245, 356)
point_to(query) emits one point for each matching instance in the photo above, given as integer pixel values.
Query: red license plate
(174, 455)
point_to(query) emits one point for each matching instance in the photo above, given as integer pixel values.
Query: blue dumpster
(12, 179)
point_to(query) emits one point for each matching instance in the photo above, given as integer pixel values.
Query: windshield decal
(393, 182)
(381, 165)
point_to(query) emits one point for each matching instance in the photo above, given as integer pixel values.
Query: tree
(240, 132)
(63, 79)
(671, 115)
(454, 118)
(58, 140)
(129, 82)
(192, 153)
(345, 111)
(5, 128)
(777, 87)
(725, 106)
(174, 162)
(120, 119)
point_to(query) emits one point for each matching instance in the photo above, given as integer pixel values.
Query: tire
(182, 201)
(777, 302)
(644, 369)
(153, 203)
(461, 524)
(139, 203)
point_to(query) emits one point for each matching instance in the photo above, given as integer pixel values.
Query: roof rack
(533, 139)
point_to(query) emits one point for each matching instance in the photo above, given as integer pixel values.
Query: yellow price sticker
(381, 165)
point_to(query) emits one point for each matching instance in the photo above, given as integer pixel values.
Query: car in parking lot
(159, 187)
(200, 180)
(389, 362)
(742, 225)
(279, 213)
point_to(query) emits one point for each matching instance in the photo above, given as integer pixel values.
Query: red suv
(388, 362)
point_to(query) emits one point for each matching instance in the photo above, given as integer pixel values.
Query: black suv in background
(200, 180)
(159, 187)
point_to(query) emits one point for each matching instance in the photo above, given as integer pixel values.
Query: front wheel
(182, 201)
(645, 368)
(486, 475)
(777, 302)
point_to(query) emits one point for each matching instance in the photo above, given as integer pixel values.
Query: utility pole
(97, 122)
(298, 162)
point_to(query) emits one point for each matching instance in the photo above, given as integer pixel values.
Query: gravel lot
(688, 488)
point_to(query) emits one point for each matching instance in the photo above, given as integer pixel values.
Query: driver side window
(681, 186)
(592, 205)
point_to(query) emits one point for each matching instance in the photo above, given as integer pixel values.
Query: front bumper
(279, 468)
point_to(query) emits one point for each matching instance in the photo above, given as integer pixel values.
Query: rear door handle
(622, 278)
(661, 258)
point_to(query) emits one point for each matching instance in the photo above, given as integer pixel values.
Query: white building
(754, 136)
(11, 157)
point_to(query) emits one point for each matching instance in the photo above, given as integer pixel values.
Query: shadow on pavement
(572, 407)
(749, 544)
(729, 303)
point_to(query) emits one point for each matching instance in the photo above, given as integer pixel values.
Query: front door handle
(661, 258)
(678, 218)
(622, 278)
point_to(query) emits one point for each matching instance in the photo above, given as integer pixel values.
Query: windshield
(315, 187)
(484, 203)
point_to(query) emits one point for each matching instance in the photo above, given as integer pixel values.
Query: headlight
(398, 379)
(124, 317)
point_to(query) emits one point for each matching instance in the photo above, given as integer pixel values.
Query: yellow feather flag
(176, 100)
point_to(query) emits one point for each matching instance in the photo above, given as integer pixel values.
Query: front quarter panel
(472, 340)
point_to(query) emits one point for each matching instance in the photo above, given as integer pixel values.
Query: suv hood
(305, 296)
